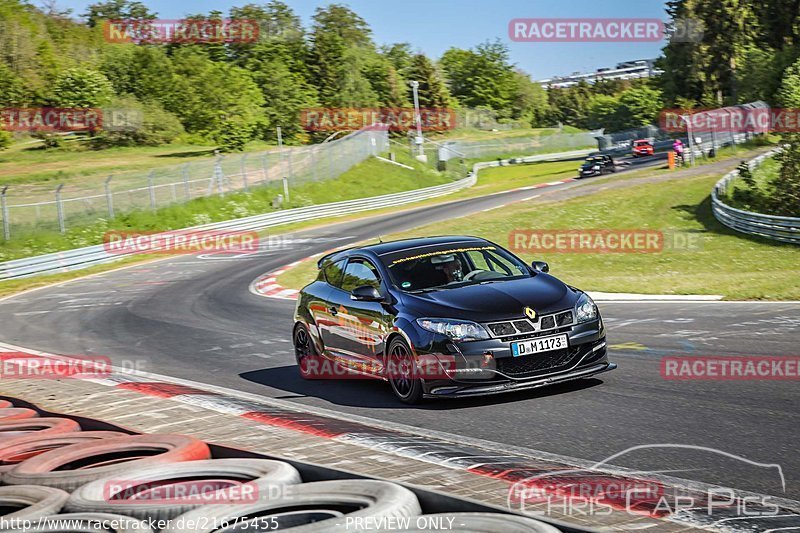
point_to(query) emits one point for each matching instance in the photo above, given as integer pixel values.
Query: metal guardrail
(785, 229)
(97, 255)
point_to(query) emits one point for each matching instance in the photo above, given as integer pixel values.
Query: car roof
(383, 248)
(419, 242)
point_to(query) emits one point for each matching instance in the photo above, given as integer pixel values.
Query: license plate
(542, 344)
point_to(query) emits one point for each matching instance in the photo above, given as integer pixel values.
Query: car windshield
(452, 266)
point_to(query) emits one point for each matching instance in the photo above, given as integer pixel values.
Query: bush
(129, 122)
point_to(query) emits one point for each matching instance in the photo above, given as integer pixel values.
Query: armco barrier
(785, 229)
(96, 255)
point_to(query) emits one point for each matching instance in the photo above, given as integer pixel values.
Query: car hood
(494, 301)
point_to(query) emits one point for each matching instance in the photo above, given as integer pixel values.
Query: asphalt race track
(194, 318)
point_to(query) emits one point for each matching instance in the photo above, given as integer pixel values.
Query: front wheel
(402, 371)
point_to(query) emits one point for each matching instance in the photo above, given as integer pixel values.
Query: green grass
(470, 134)
(369, 178)
(763, 175)
(727, 263)
(25, 164)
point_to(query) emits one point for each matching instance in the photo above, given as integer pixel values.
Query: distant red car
(642, 148)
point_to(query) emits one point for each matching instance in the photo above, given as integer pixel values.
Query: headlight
(585, 309)
(596, 167)
(458, 330)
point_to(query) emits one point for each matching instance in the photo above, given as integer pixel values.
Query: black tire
(86, 522)
(260, 473)
(33, 502)
(479, 523)
(305, 353)
(399, 357)
(323, 507)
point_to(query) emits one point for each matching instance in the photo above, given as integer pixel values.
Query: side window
(360, 272)
(333, 273)
(479, 260)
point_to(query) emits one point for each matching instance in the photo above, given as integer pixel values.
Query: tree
(639, 106)
(530, 100)
(285, 94)
(82, 87)
(213, 94)
(117, 10)
(157, 125)
(12, 90)
(432, 90)
(281, 36)
(786, 186)
(390, 89)
(336, 30)
(603, 112)
(399, 55)
(570, 105)
(482, 77)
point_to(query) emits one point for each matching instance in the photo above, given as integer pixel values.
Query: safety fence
(785, 229)
(27, 209)
(547, 141)
(95, 255)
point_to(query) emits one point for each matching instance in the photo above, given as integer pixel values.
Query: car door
(322, 308)
(357, 340)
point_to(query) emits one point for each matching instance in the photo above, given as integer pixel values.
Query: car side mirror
(366, 293)
(540, 266)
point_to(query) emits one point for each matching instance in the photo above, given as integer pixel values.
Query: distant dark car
(445, 317)
(642, 148)
(597, 165)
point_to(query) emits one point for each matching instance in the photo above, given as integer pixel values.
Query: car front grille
(530, 365)
(522, 326)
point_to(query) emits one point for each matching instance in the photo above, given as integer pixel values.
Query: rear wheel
(402, 372)
(305, 353)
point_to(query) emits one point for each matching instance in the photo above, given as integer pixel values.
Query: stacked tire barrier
(58, 478)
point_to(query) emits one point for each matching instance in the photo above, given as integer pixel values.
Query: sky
(433, 26)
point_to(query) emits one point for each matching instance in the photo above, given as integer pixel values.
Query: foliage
(482, 77)
(744, 49)
(82, 87)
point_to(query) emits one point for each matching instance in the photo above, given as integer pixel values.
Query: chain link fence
(545, 142)
(25, 209)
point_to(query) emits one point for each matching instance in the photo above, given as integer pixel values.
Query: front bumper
(445, 391)
(489, 367)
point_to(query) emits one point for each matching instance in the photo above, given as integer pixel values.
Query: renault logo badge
(530, 313)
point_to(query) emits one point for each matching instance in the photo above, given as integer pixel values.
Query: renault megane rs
(445, 317)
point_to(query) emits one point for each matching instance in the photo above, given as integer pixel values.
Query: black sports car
(445, 316)
(597, 165)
